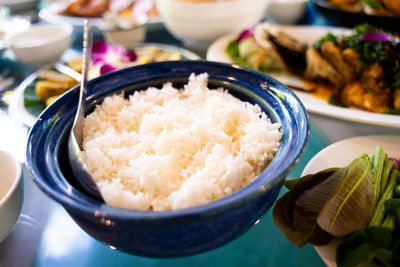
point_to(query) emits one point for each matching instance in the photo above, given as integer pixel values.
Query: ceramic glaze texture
(178, 232)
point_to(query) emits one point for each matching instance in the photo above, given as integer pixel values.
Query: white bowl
(286, 11)
(41, 44)
(127, 36)
(202, 22)
(11, 193)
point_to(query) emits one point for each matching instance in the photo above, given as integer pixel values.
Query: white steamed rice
(171, 149)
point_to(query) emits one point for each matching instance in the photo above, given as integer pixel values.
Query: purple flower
(107, 68)
(131, 54)
(97, 60)
(99, 48)
(246, 33)
(374, 37)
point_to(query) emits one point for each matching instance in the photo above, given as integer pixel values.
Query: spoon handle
(87, 44)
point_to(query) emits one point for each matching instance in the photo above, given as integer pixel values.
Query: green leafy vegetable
(364, 245)
(328, 37)
(353, 202)
(313, 200)
(284, 209)
(232, 49)
(354, 194)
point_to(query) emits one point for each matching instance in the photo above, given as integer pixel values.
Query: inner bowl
(177, 232)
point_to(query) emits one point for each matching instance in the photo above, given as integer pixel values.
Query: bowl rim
(77, 201)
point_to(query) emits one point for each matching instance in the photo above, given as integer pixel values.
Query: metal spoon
(82, 174)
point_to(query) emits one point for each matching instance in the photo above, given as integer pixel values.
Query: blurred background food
(98, 8)
(373, 7)
(50, 83)
(360, 68)
(348, 13)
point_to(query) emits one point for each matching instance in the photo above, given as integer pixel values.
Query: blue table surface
(45, 235)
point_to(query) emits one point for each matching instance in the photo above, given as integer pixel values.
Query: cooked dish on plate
(372, 7)
(98, 8)
(50, 83)
(361, 68)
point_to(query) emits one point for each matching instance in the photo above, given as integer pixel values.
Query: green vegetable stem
(379, 160)
(379, 211)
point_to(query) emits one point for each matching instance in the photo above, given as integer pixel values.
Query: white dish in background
(200, 23)
(341, 154)
(19, 6)
(17, 108)
(51, 15)
(11, 193)
(286, 11)
(309, 34)
(41, 44)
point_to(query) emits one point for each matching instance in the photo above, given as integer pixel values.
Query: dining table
(45, 235)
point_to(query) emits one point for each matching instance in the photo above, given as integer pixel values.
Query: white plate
(341, 154)
(309, 34)
(17, 108)
(51, 14)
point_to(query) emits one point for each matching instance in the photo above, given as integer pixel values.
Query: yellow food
(46, 89)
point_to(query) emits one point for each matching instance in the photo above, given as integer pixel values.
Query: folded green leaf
(310, 203)
(284, 208)
(350, 205)
(290, 184)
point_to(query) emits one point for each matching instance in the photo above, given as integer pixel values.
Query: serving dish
(308, 34)
(286, 11)
(340, 154)
(41, 44)
(11, 193)
(26, 91)
(179, 232)
(350, 19)
(194, 24)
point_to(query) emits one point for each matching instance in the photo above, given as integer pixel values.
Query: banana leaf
(311, 202)
(283, 212)
(350, 206)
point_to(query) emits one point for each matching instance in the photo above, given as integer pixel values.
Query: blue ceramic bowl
(179, 232)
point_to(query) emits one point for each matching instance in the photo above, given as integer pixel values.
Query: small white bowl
(11, 193)
(128, 35)
(286, 11)
(41, 44)
(203, 22)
